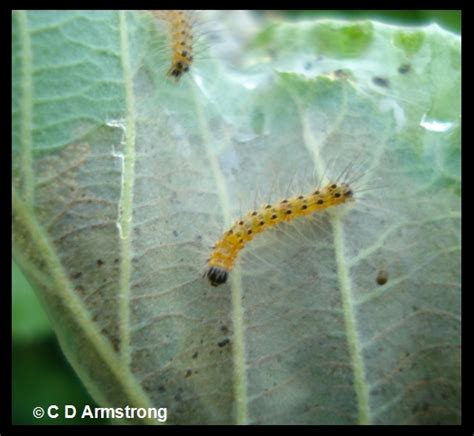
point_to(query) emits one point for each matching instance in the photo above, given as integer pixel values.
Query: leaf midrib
(125, 211)
(342, 266)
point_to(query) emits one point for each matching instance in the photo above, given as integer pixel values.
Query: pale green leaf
(122, 180)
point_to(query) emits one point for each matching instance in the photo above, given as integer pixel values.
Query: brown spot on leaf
(223, 343)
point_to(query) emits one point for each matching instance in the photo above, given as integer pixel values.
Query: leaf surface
(122, 180)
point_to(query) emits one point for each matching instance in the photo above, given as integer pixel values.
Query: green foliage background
(41, 374)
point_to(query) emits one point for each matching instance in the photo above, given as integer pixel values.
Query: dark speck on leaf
(223, 343)
(404, 68)
(382, 277)
(196, 354)
(342, 74)
(115, 344)
(99, 262)
(380, 81)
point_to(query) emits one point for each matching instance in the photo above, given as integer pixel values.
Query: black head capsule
(175, 72)
(216, 275)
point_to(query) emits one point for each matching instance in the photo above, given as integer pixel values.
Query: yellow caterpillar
(180, 29)
(226, 249)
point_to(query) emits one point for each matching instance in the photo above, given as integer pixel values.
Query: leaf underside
(123, 179)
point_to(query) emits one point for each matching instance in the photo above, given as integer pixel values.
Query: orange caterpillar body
(226, 250)
(181, 40)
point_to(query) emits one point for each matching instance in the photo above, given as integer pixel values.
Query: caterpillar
(226, 249)
(180, 27)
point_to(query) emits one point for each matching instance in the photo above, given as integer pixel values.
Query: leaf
(122, 179)
(29, 322)
(41, 378)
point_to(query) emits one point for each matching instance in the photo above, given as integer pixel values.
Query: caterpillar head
(339, 190)
(178, 69)
(216, 275)
(346, 190)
